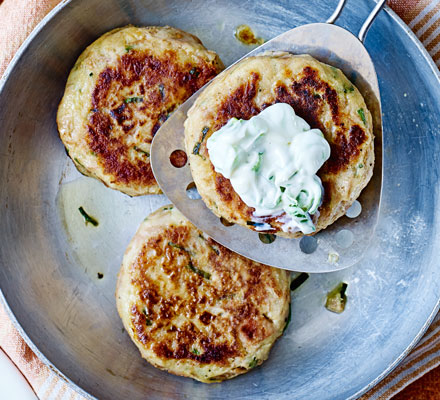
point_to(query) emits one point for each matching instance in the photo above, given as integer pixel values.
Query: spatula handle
(364, 29)
(337, 12)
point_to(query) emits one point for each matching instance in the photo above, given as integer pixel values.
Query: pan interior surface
(50, 259)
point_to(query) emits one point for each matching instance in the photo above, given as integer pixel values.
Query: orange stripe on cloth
(408, 9)
(426, 18)
(39, 376)
(405, 378)
(408, 379)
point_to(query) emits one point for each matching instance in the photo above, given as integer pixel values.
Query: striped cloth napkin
(19, 17)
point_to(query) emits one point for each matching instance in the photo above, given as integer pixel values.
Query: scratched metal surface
(49, 260)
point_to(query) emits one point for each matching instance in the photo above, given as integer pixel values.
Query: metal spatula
(344, 242)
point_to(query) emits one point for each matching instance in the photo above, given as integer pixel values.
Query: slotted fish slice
(343, 243)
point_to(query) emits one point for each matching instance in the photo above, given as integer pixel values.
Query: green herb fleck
(142, 151)
(162, 91)
(252, 223)
(177, 246)
(253, 363)
(148, 321)
(100, 275)
(196, 148)
(91, 74)
(316, 96)
(362, 115)
(266, 238)
(87, 218)
(195, 351)
(336, 299)
(257, 166)
(133, 100)
(288, 318)
(205, 130)
(128, 48)
(168, 208)
(348, 89)
(335, 71)
(215, 250)
(360, 165)
(198, 271)
(194, 72)
(298, 281)
(283, 189)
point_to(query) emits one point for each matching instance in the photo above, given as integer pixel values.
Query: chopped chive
(195, 351)
(288, 318)
(196, 148)
(267, 238)
(87, 217)
(162, 91)
(168, 208)
(148, 321)
(128, 48)
(216, 251)
(348, 89)
(133, 100)
(361, 165)
(205, 130)
(283, 189)
(252, 223)
(253, 363)
(298, 281)
(100, 275)
(177, 246)
(335, 71)
(362, 115)
(316, 96)
(257, 166)
(142, 151)
(91, 74)
(194, 72)
(336, 299)
(198, 271)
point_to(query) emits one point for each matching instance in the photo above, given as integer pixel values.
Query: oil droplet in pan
(245, 35)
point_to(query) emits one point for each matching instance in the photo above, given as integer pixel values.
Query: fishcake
(118, 94)
(195, 308)
(318, 93)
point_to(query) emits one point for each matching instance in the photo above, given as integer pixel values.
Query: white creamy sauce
(271, 161)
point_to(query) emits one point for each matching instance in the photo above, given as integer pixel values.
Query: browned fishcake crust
(194, 307)
(123, 87)
(319, 94)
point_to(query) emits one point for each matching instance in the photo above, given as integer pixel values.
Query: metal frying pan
(343, 243)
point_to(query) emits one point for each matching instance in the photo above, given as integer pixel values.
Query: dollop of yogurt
(272, 160)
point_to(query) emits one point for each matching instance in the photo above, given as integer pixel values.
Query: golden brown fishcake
(193, 307)
(318, 93)
(120, 91)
